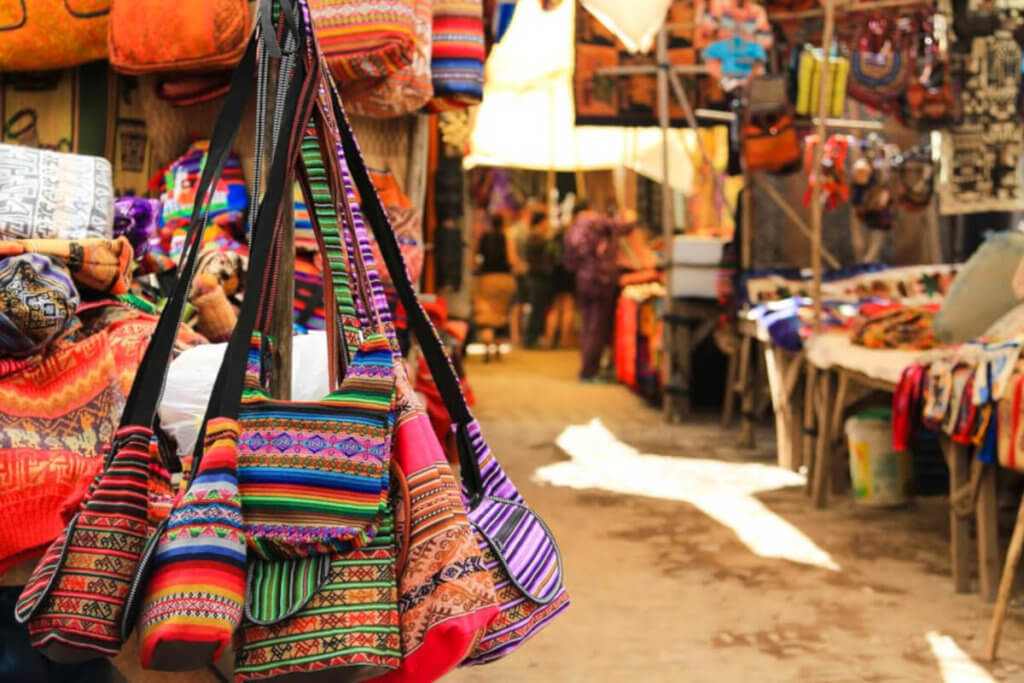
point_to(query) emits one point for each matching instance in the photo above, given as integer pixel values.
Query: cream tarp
(527, 116)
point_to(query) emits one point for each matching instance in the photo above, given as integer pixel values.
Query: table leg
(959, 527)
(729, 402)
(807, 438)
(988, 534)
(775, 364)
(746, 389)
(823, 451)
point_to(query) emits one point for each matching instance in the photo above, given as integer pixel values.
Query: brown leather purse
(769, 138)
(155, 36)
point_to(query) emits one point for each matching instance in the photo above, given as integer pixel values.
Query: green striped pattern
(324, 211)
(331, 612)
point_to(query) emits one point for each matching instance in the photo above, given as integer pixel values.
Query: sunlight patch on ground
(954, 664)
(722, 490)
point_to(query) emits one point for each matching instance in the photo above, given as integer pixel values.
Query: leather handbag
(54, 195)
(768, 133)
(205, 35)
(40, 35)
(81, 601)
(527, 575)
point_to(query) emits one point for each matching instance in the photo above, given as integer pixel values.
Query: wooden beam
(819, 149)
(1006, 584)
(795, 218)
(987, 522)
(959, 527)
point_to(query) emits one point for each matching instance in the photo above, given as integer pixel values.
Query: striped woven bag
(457, 55)
(193, 598)
(322, 601)
(81, 601)
(365, 39)
(518, 548)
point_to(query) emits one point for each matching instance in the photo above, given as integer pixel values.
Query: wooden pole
(795, 218)
(1006, 584)
(667, 221)
(816, 207)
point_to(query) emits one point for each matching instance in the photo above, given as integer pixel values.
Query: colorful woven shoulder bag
(81, 600)
(518, 548)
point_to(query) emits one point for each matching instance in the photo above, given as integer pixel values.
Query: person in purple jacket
(591, 252)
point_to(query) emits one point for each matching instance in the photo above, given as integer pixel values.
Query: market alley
(667, 590)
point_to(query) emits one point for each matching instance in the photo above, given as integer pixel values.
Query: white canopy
(527, 116)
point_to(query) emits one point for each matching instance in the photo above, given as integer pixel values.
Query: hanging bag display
(40, 35)
(518, 548)
(81, 601)
(206, 35)
(879, 66)
(446, 592)
(769, 134)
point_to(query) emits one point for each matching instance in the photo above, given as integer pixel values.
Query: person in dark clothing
(492, 252)
(540, 263)
(591, 251)
(495, 287)
(562, 312)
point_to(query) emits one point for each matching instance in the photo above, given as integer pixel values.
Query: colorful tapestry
(609, 100)
(179, 183)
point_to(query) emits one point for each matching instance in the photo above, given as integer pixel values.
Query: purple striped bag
(518, 548)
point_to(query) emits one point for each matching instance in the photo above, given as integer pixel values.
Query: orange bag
(39, 35)
(155, 36)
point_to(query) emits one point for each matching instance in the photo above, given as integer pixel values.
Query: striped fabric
(318, 614)
(457, 54)
(364, 39)
(305, 240)
(522, 556)
(314, 476)
(84, 586)
(446, 595)
(194, 595)
(405, 91)
(519, 549)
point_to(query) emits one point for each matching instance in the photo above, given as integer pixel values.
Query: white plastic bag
(191, 376)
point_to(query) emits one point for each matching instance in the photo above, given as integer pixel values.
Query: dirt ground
(662, 592)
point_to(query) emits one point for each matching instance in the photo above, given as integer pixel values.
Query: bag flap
(278, 589)
(44, 575)
(524, 546)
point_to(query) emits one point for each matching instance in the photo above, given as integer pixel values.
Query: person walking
(562, 313)
(495, 286)
(591, 252)
(540, 262)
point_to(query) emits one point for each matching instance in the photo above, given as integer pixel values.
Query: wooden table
(972, 484)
